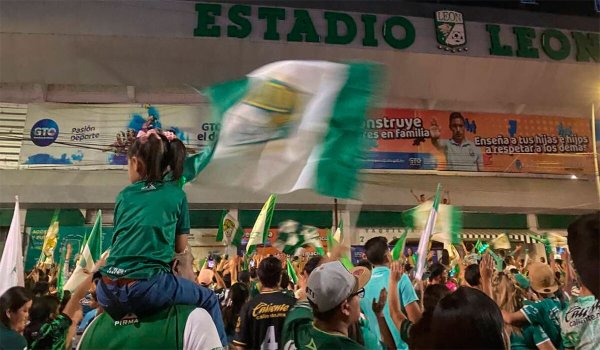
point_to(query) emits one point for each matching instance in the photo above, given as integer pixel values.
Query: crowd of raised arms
(149, 292)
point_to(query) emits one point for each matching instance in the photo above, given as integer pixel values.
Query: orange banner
(464, 141)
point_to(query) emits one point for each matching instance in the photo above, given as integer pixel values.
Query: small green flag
(399, 246)
(229, 231)
(60, 279)
(50, 240)
(291, 272)
(338, 236)
(92, 252)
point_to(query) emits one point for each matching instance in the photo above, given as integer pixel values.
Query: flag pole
(595, 150)
(335, 213)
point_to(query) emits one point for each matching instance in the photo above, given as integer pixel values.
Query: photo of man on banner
(461, 154)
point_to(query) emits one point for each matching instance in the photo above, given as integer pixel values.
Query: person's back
(378, 255)
(177, 327)
(580, 323)
(262, 318)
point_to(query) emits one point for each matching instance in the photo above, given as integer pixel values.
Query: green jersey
(580, 324)
(546, 313)
(300, 333)
(147, 218)
(528, 338)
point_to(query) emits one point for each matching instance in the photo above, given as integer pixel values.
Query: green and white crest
(450, 29)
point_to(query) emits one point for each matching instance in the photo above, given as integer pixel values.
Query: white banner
(98, 136)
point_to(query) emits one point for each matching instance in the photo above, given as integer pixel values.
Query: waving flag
(50, 240)
(285, 124)
(293, 236)
(427, 232)
(11, 264)
(448, 225)
(92, 251)
(399, 246)
(259, 232)
(229, 231)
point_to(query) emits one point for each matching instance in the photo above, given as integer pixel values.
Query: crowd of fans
(376, 305)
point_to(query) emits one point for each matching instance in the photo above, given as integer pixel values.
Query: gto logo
(44, 132)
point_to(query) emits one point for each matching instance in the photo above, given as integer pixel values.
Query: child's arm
(181, 242)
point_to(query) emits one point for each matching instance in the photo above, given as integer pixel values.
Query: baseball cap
(331, 283)
(542, 278)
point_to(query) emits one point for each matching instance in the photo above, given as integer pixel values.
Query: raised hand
(378, 305)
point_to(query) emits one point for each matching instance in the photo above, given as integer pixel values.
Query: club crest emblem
(450, 31)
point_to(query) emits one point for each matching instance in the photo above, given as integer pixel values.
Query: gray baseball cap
(331, 283)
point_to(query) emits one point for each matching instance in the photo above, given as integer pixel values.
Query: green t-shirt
(11, 340)
(177, 327)
(580, 324)
(147, 218)
(300, 333)
(546, 313)
(528, 338)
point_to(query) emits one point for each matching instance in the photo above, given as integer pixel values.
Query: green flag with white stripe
(285, 125)
(259, 232)
(448, 225)
(293, 236)
(92, 251)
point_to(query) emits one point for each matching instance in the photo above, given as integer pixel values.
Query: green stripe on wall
(320, 219)
(497, 221)
(379, 219)
(205, 218)
(6, 216)
(42, 217)
(555, 221)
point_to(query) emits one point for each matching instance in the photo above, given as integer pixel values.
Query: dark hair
(40, 288)
(324, 316)
(584, 246)
(12, 300)
(65, 300)
(285, 280)
(445, 257)
(455, 115)
(41, 309)
(238, 294)
(375, 249)
(269, 272)
(432, 295)
(475, 318)
(436, 270)
(472, 275)
(312, 264)
(365, 263)
(253, 273)
(227, 280)
(157, 155)
(420, 332)
(244, 277)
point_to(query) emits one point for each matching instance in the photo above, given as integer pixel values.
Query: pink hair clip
(169, 135)
(145, 134)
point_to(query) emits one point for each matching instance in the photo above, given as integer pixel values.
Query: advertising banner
(72, 235)
(98, 136)
(464, 141)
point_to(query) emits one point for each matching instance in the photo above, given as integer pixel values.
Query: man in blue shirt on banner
(379, 256)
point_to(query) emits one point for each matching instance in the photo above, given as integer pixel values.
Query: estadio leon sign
(451, 30)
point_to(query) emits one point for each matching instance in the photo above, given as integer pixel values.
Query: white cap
(331, 283)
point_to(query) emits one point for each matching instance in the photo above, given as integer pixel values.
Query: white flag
(11, 265)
